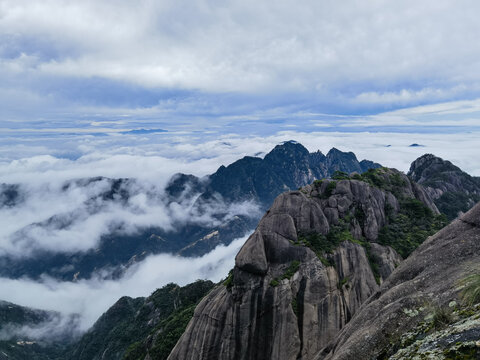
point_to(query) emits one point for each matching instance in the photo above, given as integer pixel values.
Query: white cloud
(154, 164)
(90, 298)
(250, 46)
(73, 219)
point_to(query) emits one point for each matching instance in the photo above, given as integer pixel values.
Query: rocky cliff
(426, 308)
(453, 190)
(306, 270)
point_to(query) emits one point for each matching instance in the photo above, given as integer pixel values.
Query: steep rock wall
(287, 300)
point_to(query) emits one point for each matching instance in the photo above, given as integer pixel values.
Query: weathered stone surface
(270, 313)
(251, 256)
(255, 320)
(429, 277)
(386, 258)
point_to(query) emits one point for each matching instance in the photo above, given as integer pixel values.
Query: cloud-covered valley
(61, 210)
(72, 216)
(90, 298)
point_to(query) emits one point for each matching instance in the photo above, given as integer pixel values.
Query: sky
(149, 88)
(82, 77)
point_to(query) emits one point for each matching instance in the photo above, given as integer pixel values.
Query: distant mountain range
(27, 333)
(288, 166)
(316, 256)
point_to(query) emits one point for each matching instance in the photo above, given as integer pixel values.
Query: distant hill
(130, 325)
(288, 166)
(24, 333)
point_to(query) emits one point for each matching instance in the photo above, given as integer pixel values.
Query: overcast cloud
(60, 57)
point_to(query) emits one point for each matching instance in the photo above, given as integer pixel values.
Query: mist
(83, 216)
(90, 298)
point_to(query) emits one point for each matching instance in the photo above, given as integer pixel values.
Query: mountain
(23, 333)
(232, 199)
(453, 190)
(130, 325)
(428, 308)
(130, 329)
(287, 167)
(316, 256)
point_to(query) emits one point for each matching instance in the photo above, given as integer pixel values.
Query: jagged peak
(334, 151)
(290, 146)
(427, 163)
(294, 142)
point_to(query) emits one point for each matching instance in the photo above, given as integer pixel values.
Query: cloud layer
(57, 58)
(90, 298)
(72, 216)
(153, 163)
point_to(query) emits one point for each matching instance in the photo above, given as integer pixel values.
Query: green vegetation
(442, 317)
(295, 306)
(373, 261)
(330, 188)
(342, 282)
(410, 227)
(471, 292)
(326, 244)
(357, 177)
(383, 178)
(462, 352)
(451, 203)
(229, 280)
(289, 272)
(327, 261)
(174, 306)
(340, 175)
(274, 282)
(322, 244)
(171, 330)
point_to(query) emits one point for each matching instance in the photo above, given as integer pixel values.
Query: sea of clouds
(152, 163)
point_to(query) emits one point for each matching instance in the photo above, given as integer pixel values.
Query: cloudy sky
(238, 66)
(148, 88)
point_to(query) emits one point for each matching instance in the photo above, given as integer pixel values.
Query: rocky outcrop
(302, 274)
(453, 190)
(406, 305)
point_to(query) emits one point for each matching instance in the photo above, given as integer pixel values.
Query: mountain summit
(453, 190)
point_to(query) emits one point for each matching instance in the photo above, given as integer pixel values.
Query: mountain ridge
(356, 252)
(257, 180)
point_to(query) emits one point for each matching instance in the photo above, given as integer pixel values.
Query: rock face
(453, 190)
(425, 282)
(302, 274)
